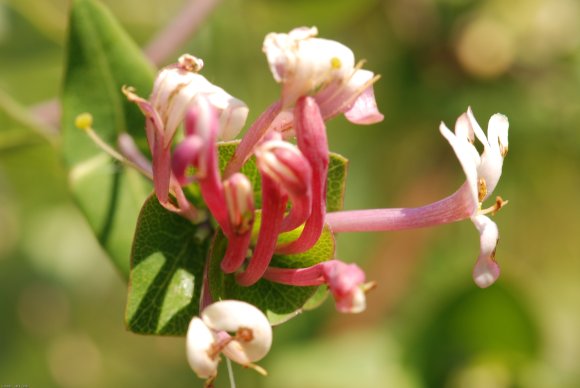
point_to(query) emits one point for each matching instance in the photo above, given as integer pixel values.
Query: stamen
(369, 286)
(219, 346)
(481, 189)
(84, 121)
(356, 95)
(190, 63)
(257, 368)
(335, 63)
(244, 334)
(503, 150)
(343, 82)
(499, 203)
(209, 382)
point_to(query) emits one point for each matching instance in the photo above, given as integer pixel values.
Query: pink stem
(176, 34)
(161, 171)
(311, 137)
(205, 299)
(273, 205)
(254, 134)
(456, 207)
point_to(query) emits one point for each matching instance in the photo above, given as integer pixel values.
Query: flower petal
(464, 152)
(486, 270)
(303, 63)
(233, 316)
(174, 91)
(199, 343)
(345, 281)
(364, 110)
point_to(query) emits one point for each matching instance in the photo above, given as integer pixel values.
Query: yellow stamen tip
(335, 63)
(257, 368)
(84, 121)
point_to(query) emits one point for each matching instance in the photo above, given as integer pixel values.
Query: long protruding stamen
(458, 206)
(273, 205)
(493, 209)
(312, 142)
(130, 151)
(184, 207)
(255, 133)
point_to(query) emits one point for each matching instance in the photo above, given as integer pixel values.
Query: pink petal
(364, 110)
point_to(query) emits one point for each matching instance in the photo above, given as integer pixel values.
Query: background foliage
(62, 303)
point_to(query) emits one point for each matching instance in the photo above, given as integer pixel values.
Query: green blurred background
(427, 325)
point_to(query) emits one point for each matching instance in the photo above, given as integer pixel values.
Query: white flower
(208, 337)
(177, 87)
(324, 69)
(482, 173)
(249, 323)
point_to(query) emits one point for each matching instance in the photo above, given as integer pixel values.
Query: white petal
(464, 152)
(199, 343)
(303, 63)
(497, 133)
(359, 301)
(486, 270)
(364, 110)
(176, 89)
(477, 129)
(233, 315)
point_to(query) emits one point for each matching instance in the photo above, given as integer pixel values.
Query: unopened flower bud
(345, 282)
(240, 202)
(285, 164)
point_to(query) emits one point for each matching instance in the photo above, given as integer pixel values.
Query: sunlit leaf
(166, 271)
(100, 59)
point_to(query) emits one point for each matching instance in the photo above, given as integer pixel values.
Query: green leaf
(279, 302)
(100, 59)
(337, 171)
(336, 181)
(167, 265)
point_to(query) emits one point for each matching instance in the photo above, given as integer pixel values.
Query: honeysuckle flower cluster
(319, 80)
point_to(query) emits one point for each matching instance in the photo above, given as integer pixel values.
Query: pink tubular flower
(284, 163)
(176, 89)
(312, 142)
(345, 282)
(273, 206)
(482, 173)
